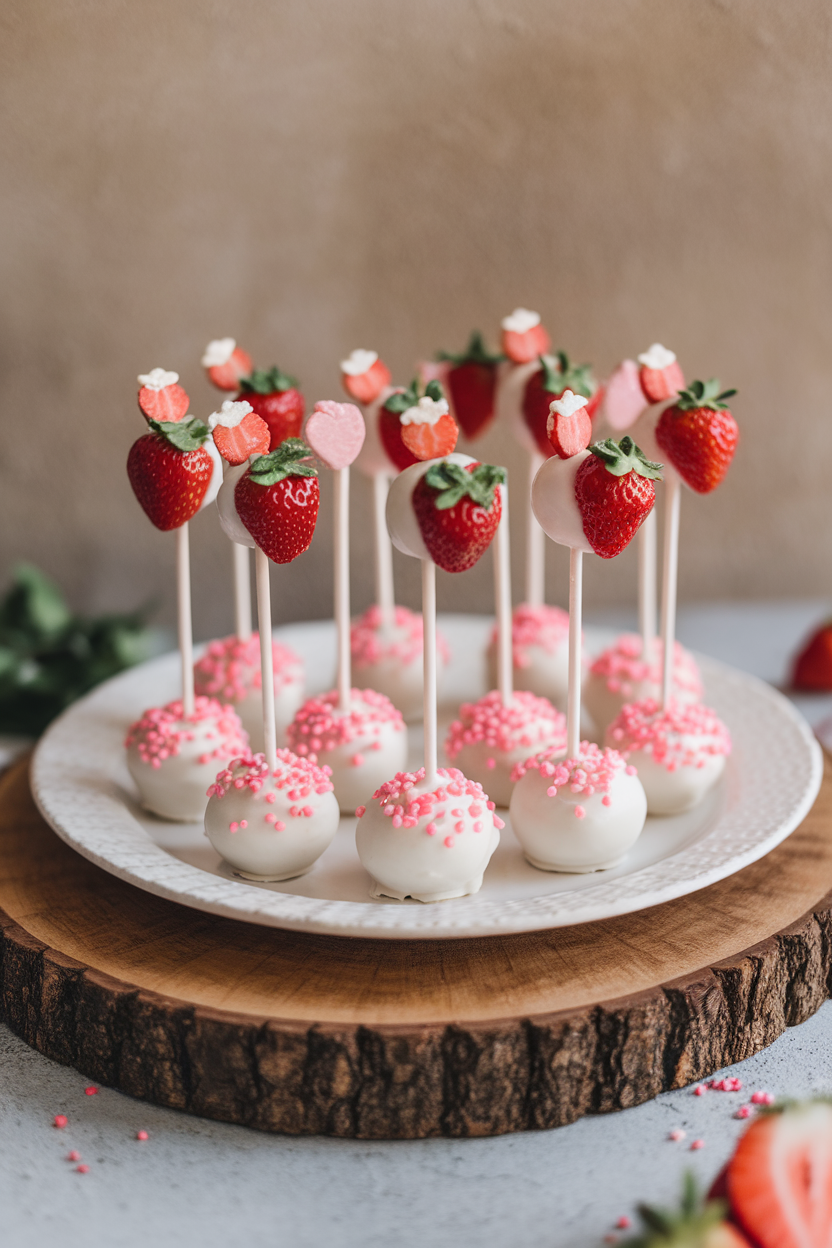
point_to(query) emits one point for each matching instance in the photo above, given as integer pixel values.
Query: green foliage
(686, 1228)
(622, 457)
(287, 460)
(455, 482)
(560, 374)
(704, 394)
(268, 381)
(475, 353)
(49, 657)
(404, 399)
(186, 435)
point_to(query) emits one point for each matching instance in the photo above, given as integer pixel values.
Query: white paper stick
(183, 600)
(429, 653)
(341, 546)
(535, 543)
(385, 594)
(670, 569)
(242, 591)
(647, 585)
(264, 627)
(502, 595)
(573, 698)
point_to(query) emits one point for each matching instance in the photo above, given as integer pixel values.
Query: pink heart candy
(335, 431)
(624, 400)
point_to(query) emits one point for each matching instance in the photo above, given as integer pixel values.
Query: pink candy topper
(624, 400)
(335, 432)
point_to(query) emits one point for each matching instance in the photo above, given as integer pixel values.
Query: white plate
(81, 784)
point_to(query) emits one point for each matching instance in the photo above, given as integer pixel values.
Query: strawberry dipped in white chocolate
(229, 669)
(271, 823)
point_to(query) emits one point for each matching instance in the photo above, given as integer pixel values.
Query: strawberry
(779, 1180)
(275, 397)
(660, 374)
(615, 493)
(696, 1225)
(364, 376)
(569, 428)
(472, 381)
(458, 510)
(226, 363)
(523, 336)
(160, 398)
(555, 376)
(170, 471)
(277, 500)
(390, 426)
(239, 432)
(813, 666)
(699, 435)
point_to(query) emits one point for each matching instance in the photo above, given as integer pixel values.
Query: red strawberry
(239, 434)
(390, 426)
(170, 471)
(364, 386)
(699, 435)
(568, 427)
(552, 379)
(780, 1178)
(813, 666)
(277, 500)
(523, 336)
(160, 398)
(694, 1226)
(275, 398)
(472, 381)
(615, 493)
(660, 374)
(458, 510)
(226, 363)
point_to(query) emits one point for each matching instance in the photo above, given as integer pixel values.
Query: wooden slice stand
(400, 1039)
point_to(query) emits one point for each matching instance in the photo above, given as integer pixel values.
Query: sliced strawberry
(167, 405)
(556, 375)
(813, 666)
(458, 510)
(170, 471)
(523, 336)
(390, 427)
(615, 493)
(275, 397)
(660, 375)
(226, 363)
(431, 441)
(472, 381)
(277, 500)
(364, 386)
(238, 443)
(569, 428)
(699, 435)
(780, 1178)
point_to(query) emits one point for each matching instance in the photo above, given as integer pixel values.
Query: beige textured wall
(311, 175)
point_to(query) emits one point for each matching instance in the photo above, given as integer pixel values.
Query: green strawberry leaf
(453, 483)
(704, 394)
(288, 460)
(403, 399)
(268, 381)
(475, 353)
(686, 1228)
(560, 374)
(622, 457)
(186, 435)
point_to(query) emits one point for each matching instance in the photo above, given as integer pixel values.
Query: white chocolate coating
(388, 658)
(425, 840)
(275, 826)
(554, 504)
(673, 792)
(229, 670)
(402, 524)
(512, 380)
(362, 746)
(372, 459)
(230, 522)
(619, 675)
(578, 832)
(215, 484)
(489, 739)
(540, 652)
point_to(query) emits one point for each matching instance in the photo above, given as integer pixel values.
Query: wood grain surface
(375, 1039)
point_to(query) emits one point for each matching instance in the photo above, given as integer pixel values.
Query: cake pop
(387, 657)
(271, 823)
(622, 674)
(540, 652)
(229, 669)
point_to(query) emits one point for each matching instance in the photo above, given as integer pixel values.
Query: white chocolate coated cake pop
(173, 758)
(361, 746)
(490, 738)
(540, 652)
(388, 657)
(620, 674)
(427, 839)
(230, 670)
(271, 824)
(679, 752)
(580, 814)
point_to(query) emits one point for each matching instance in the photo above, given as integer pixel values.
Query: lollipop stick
(670, 570)
(341, 546)
(242, 592)
(183, 598)
(429, 644)
(535, 544)
(384, 551)
(502, 593)
(573, 700)
(264, 625)
(647, 585)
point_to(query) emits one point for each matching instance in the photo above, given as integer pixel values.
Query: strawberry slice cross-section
(415, 424)
(239, 432)
(161, 397)
(458, 509)
(277, 499)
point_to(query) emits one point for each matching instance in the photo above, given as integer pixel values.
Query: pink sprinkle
(478, 825)
(696, 1145)
(762, 1098)
(359, 811)
(491, 763)
(232, 827)
(606, 800)
(729, 1084)
(610, 1239)
(677, 1134)
(74, 1155)
(623, 1223)
(279, 825)
(700, 1090)
(82, 1169)
(744, 1111)
(431, 829)
(580, 813)
(459, 827)
(449, 842)
(60, 1121)
(91, 1091)
(142, 1135)
(244, 823)
(630, 770)
(357, 760)
(498, 822)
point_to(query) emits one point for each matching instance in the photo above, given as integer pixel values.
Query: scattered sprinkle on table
(91, 1091)
(744, 1111)
(82, 1169)
(677, 1134)
(699, 1090)
(623, 1223)
(142, 1135)
(697, 1144)
(762, 1098)
(60, 1121)
(74, 1155)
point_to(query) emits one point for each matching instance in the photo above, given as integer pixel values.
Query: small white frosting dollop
(359, 362)
(568, 404)
(657, 357)
(521, 321)
(157, 379)
(230, 414)
(427, 412)
(219, 351)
